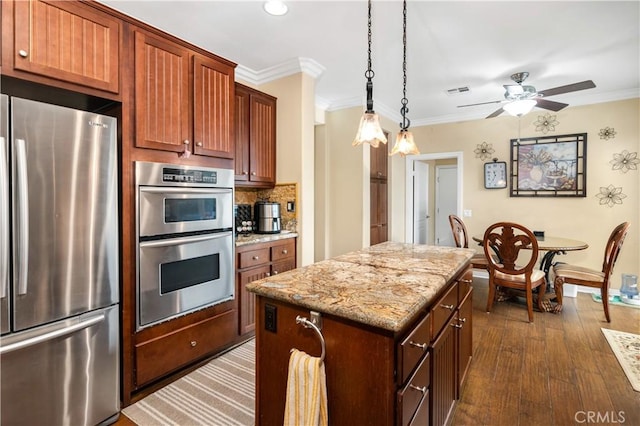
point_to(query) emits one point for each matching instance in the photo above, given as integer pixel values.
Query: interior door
(446, 203)
(420, 202)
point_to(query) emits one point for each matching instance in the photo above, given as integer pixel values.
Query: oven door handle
(182, 190)
(183, 240)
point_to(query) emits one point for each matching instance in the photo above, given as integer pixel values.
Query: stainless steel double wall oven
(185, 239)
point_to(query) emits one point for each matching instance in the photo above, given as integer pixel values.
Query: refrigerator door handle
(84, 323)
(22, 219)
(4, 219)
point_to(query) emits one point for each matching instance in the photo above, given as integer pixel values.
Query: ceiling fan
(519, 99)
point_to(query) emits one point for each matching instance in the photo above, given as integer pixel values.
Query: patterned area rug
(219, 393)
(626, 347)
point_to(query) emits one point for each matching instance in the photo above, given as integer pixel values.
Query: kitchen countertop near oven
(384, 285)
(242, 240)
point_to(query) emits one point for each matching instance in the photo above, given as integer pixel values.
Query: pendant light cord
(404, 125)
(369, 73)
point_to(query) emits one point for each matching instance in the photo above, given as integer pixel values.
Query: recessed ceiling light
(275, 7)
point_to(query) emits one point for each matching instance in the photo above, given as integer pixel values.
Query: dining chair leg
(542, 290)
(492, 295)
(530, 304)
(557, 286)
(604, 292)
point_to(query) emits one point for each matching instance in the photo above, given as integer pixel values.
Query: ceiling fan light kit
(520, 107)
(369, 130)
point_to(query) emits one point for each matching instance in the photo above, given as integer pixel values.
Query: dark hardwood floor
(558, 370)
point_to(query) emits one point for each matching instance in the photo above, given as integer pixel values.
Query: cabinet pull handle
(186, 142)
(456, 325)
(256, 257)
(199, 143)
(284, 251)
(422, 346)
(419, 389)
(462, 320)
(193, 343)
(23, 53)
(449, 307)
(467, 281)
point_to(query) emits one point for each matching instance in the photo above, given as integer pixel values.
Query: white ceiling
(451, 44)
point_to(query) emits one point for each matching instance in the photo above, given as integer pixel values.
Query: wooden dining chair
(573, 274)
(516, 245)
(461, 238)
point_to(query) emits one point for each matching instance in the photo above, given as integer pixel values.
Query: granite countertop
(384, 286)
(242, 240)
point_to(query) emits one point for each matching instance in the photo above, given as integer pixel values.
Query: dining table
(552, 246)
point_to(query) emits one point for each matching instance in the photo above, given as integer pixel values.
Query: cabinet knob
(422, 346)
(245, 172)
(456, 325)
(275, 272)
(419, 389)
(256, 257)
(379, 173)
(268, 274)
(23, 53)
(462, 320)
(449, 307)
(284, 251)
(199, 143)
(193, 343)
(253, 173)
(186, 142)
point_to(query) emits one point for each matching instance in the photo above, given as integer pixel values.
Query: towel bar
(308, 324)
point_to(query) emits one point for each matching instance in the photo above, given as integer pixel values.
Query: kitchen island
(396, 323)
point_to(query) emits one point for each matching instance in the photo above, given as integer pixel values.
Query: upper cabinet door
(162, 105)
(241, 120)
(262, 150)
(68, 41)
(213, 89)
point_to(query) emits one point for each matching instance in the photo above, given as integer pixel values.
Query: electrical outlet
(291, 206)
(270, 318)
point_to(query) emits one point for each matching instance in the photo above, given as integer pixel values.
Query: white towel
(306, 403)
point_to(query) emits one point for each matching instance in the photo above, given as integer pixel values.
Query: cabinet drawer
(415, 391)
(464, 285)
(253, 258)
(443, 309)
(283, 251)
(283, 266)
(412, 348)
(172, 351)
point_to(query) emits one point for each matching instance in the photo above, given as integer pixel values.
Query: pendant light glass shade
(520, 108)
(405, 144)
(369, 130)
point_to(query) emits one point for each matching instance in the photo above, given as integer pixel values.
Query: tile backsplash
(283, 193)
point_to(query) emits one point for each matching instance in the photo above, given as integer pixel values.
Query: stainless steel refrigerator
(59, 271)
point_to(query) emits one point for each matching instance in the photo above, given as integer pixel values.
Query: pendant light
(369, 130)
(404, 141)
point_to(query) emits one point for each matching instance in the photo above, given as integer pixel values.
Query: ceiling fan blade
(495, 113)
(587, 84)
(481, 103)
(550, 105)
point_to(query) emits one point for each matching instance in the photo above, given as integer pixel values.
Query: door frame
(458, 155)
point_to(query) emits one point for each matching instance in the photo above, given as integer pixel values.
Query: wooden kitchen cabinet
(257, 261)
(379, 227)
(62, 40)
(183, 99)
(255, 136)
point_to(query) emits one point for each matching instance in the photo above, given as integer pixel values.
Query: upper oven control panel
(189, 175)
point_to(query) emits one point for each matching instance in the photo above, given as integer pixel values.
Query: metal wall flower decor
(483, 151)
(610, 195)
(625, 161)
(546, 123)
(607, 133)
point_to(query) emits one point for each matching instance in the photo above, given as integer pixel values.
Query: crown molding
(285, 69)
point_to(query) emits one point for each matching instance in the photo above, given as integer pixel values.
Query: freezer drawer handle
(52, 335)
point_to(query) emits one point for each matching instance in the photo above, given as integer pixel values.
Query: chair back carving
(508, 239)
(612, 249)
(460, 235)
